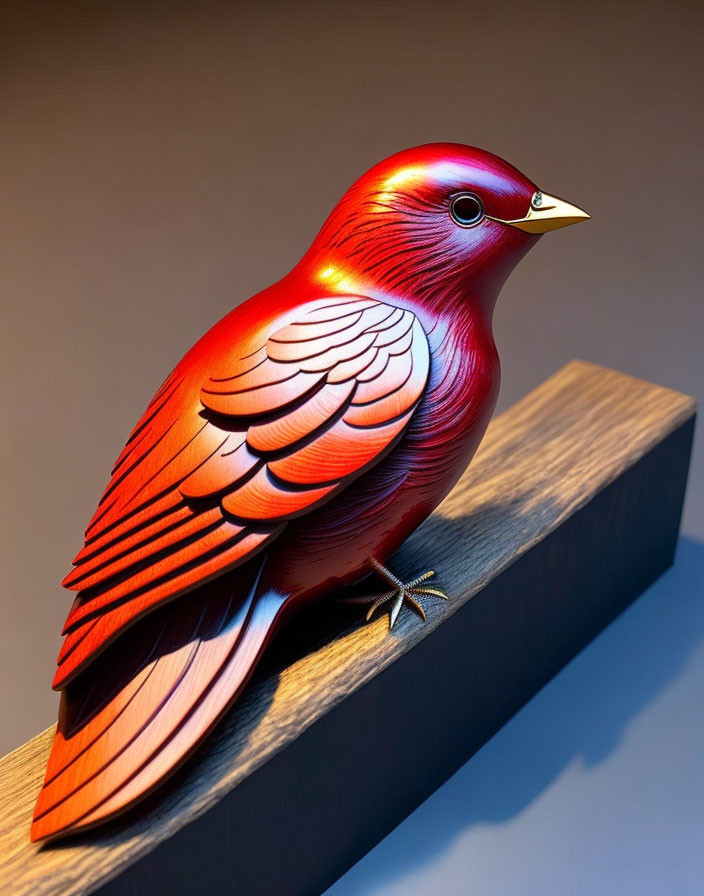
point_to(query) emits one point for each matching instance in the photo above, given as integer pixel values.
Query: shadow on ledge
(581, 715)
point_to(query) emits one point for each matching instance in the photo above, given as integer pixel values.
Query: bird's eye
(466, 209)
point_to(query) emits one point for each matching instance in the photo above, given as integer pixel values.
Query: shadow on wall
(581, 715)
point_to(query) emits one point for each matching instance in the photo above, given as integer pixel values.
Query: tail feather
(139, 711)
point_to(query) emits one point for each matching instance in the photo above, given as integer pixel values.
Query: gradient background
(163, 162)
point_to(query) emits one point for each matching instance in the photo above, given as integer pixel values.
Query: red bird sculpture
(289, 453)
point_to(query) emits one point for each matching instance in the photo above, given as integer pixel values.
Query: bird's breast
(458, 403)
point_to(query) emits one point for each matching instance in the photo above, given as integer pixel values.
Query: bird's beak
(547, 212)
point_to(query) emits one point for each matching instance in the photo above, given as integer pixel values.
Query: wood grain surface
(541, 460)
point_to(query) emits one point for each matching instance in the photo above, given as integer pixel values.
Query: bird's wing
(208, 479)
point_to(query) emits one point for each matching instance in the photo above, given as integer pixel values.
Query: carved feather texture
(195, 493)
(274, 435)
(148, 702)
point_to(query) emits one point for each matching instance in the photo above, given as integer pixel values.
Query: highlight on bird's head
(438, 221)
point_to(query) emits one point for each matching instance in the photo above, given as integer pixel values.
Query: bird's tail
(146, 703)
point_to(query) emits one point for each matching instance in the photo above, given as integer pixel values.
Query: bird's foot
(398, 593)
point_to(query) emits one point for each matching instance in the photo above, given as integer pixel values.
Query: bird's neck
(465, 304)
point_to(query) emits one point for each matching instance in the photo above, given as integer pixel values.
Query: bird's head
(441, 223)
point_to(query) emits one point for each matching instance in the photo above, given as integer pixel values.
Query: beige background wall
(160, 164)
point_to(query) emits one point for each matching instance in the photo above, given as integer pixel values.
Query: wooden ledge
(569, 510)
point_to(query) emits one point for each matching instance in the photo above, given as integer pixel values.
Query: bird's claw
(399, 593)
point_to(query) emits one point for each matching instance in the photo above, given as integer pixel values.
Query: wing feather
(281, 433)
(111, 563)
(262, 498)
(337, 453)
(221, 472)
(83, 643)
(264, 399)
